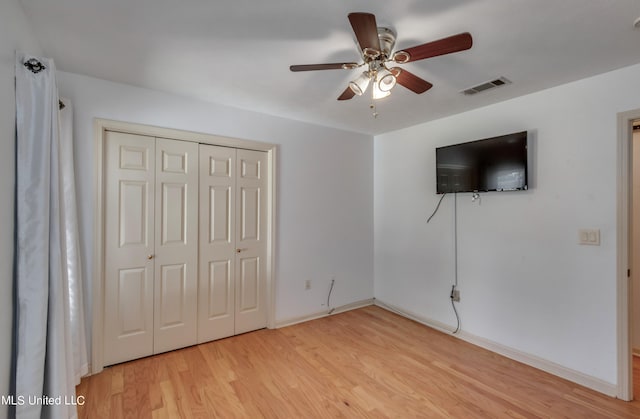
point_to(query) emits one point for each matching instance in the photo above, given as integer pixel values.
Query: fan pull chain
(374, 111)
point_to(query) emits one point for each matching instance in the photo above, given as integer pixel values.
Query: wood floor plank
(366, 363)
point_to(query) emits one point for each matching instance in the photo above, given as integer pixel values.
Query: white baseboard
(325, 313)
(434, 324)
(542, 364)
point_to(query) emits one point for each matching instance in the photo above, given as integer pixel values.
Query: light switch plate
(589, 237)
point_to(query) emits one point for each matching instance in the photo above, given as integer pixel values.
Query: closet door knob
(150, 257)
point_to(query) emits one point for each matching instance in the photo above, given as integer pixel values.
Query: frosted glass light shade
(385, 80)
(379, 94)
(359, 85)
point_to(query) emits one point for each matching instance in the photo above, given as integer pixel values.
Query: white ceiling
(238, 52)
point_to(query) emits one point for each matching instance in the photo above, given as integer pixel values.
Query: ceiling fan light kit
(376, 45)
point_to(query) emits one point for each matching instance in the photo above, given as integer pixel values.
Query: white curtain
(73, 267)
(49, 334)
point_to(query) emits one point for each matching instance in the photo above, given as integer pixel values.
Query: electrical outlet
(307, 284)
(455, 295)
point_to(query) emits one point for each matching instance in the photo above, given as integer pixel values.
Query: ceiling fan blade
(410, 80)
(328, 66)
(366, 31)
(455, 43)
(347, 94)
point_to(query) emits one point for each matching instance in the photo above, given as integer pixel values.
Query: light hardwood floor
(366, 363)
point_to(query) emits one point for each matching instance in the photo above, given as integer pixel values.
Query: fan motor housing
(387, 37)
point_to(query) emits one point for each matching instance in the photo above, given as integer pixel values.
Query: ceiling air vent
(486, 86)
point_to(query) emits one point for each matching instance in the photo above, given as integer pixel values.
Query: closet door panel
(129, 240)
(251, 233)
(176, 244)
(248, 286)
(217, 243)
(220, 291)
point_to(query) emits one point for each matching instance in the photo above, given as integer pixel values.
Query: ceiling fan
(376, 46)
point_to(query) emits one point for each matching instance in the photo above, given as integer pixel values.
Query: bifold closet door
(251, 241)
(233, 225)
(129, 241)
(151, 246)
(176, 245)
(216, 313)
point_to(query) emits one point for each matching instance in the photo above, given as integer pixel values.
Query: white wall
(325, 188)
(525, 283)
(15, 34)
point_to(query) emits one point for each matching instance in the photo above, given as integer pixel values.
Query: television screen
(492, 164)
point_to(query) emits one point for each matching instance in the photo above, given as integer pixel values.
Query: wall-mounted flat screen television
(491, 164)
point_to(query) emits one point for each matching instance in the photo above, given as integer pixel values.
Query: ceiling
(238, 52)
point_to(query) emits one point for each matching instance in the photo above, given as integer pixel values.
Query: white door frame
(623, 303)
(103, 125)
